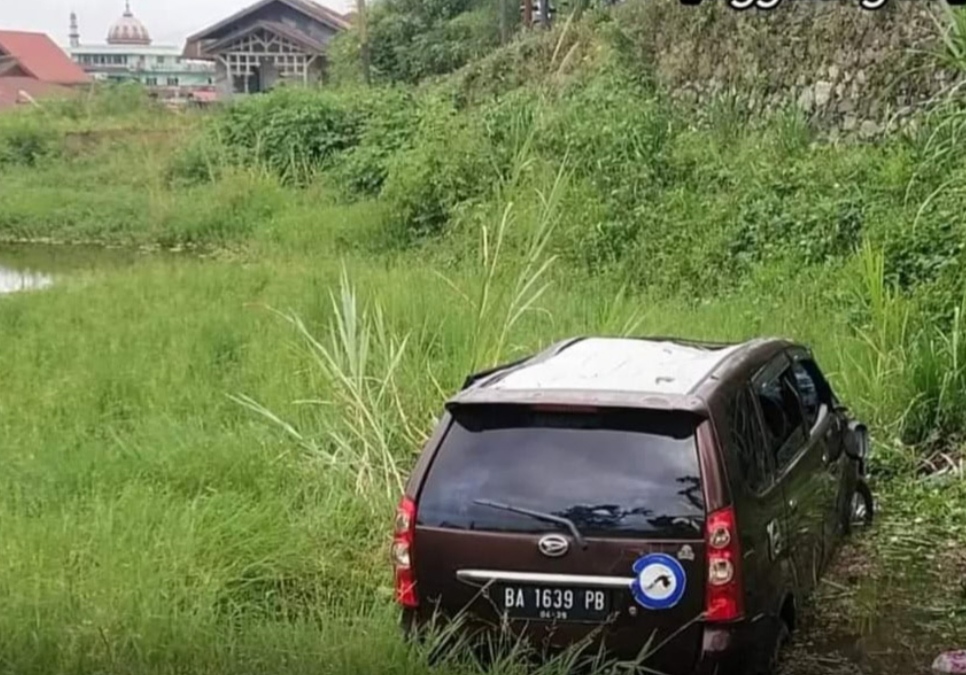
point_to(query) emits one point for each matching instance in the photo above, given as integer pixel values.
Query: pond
(26, 267)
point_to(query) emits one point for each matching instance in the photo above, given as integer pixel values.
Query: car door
(820, 418)
(759, 503)
(798, 464)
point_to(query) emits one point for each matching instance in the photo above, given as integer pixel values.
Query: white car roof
(618, 365)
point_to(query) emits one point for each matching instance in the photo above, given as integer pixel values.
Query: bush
(389, 121)
(293, 132)
(450, 162)
(411, 40)
(26, 140)
(350, 133)
(617, 135)
(928, 245)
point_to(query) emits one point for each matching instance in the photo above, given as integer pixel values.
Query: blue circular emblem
(659, 581)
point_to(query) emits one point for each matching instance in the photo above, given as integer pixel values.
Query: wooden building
(270, 42)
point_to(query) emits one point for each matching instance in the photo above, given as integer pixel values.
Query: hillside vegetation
(203, 453)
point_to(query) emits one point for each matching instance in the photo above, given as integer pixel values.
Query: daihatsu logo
(553, 545)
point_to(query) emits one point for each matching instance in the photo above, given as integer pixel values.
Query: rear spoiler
(576, 397)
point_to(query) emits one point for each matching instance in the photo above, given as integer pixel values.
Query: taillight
(724, 600)
(402, 553)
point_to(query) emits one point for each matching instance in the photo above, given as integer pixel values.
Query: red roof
(12, 90)
(40, 57)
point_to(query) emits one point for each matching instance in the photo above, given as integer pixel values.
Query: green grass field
(202, 453)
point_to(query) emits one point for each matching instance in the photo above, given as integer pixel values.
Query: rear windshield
(613, 473)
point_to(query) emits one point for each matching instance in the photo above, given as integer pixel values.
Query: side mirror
(857, 441)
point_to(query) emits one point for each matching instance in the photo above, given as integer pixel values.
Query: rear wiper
(549, 517)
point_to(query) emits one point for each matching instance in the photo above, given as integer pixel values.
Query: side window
(745, 440)
(782, 414)
(823, 390)
(808, 393)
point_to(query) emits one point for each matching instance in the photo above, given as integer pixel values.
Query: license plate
(552, 603)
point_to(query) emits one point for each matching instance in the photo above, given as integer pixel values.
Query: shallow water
(25, 267)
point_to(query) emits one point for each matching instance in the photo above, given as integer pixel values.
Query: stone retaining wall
(853, 71)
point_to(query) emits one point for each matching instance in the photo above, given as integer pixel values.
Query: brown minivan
(668, 500)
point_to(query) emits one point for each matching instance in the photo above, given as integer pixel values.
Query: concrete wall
(222, 81)
(850, 69)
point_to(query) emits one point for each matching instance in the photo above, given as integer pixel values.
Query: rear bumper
(721, 647)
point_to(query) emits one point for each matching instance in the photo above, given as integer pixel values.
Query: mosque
(129, 54)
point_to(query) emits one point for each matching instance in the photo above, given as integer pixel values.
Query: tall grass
(885, 343)
(367, 427)
(497, 308)
(162, 526)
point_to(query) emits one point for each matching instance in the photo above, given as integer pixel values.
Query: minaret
(74, 31)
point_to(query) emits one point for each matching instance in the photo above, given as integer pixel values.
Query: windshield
(614, 473)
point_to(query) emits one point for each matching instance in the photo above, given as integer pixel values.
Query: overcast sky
(168, 21)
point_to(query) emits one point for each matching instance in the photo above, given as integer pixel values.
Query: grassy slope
(153, 524)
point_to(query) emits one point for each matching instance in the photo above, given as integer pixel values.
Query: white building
(130, 55)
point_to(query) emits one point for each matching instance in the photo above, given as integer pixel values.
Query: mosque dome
(128, 30)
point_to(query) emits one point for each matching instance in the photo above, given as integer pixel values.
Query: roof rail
(687, 342)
